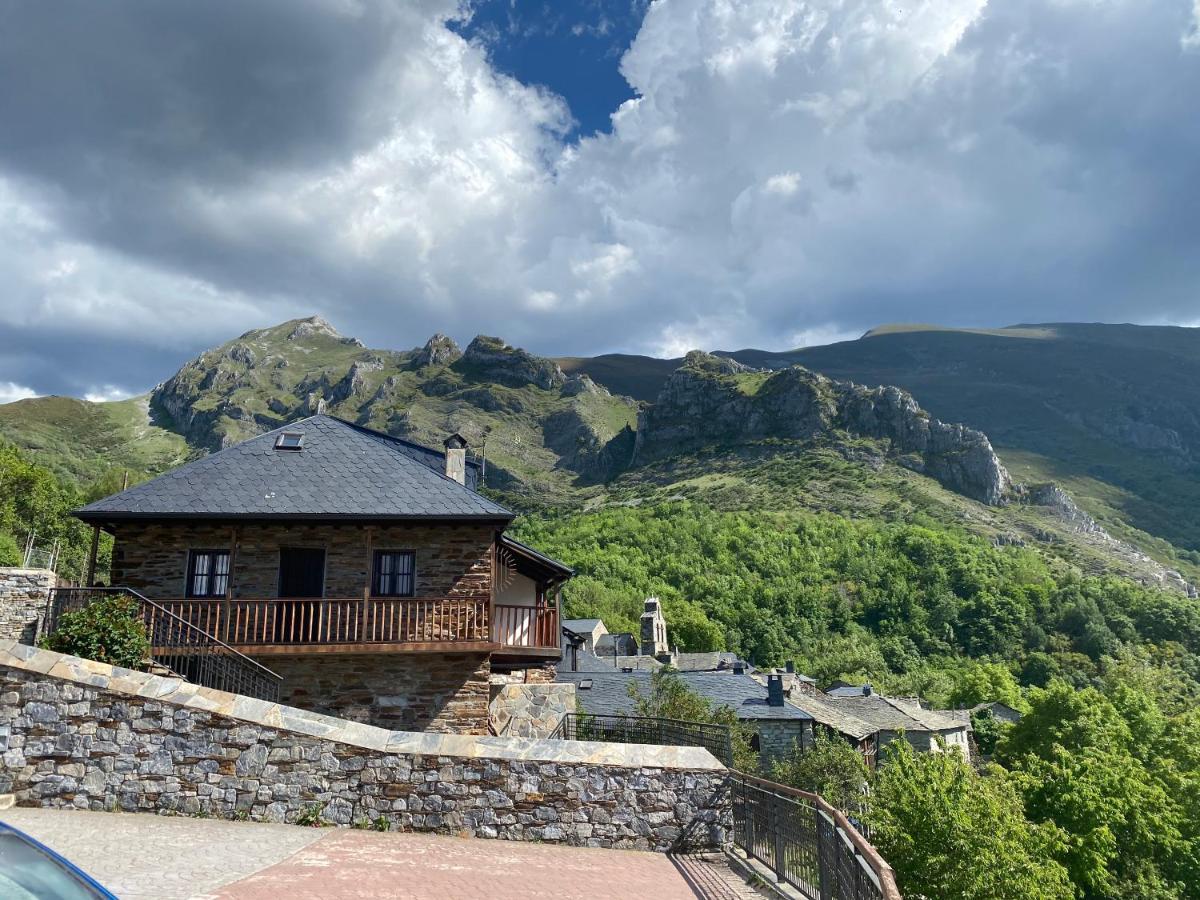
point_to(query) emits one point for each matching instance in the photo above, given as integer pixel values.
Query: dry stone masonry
(24, 594)
(530, 710)
(76, 733)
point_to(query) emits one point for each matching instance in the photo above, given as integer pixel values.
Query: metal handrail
(179, 645)
(808, 843)
(717, 739)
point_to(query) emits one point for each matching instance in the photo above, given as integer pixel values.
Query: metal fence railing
(807, 843)
(179, 645)
(646, 730)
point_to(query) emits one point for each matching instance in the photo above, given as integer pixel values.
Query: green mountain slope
(92, 442)
(730, 436)
(1110, 412)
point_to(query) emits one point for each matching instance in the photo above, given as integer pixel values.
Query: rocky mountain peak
(439, 350)
(711, 400)
(492, 358)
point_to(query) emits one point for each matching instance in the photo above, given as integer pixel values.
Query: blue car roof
(90, 887)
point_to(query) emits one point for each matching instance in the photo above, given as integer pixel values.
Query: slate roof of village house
(608, 694)
(891, 714)
(342, 471)
(830, 714)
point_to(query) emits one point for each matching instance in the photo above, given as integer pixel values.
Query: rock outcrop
(711, 401)
(439, 350)
(492, 359)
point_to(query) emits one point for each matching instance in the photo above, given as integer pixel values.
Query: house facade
(364, 570)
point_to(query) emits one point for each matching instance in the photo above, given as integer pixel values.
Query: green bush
(831, 767)
(109, 630)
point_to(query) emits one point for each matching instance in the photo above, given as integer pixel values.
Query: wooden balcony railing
(327, 621)
(525, 626)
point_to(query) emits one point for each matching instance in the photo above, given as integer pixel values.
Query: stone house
(891, 717)
(363, 569)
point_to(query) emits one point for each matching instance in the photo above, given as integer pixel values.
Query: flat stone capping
(102, 676)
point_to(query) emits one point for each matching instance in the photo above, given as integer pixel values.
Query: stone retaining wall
(75, 733)
(24, 594)
(530, 710)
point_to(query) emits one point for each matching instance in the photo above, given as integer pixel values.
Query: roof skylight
(290, 440)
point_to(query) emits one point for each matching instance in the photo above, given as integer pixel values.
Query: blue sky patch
(573, 47)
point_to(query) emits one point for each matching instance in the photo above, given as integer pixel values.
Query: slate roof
(608, 694)
(846, 690)
(890, 714)
(831, 715)
(343, 471)
(704, 662)
(579, 626)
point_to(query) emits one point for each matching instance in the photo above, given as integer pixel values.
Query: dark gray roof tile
(342, 470)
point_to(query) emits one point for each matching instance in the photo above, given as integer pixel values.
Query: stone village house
(363, 569)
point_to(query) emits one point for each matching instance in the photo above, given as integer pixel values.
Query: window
(394, 573)
(208, 573)
(290, 440)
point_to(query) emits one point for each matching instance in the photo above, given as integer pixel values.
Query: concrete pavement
(145, 857)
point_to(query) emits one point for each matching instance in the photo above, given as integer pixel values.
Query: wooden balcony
(283, 626)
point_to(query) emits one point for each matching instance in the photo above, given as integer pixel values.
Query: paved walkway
(146, 857)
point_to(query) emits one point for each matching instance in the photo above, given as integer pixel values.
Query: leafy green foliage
(109, 630)
(670, 698)
(32, 498)
(949, 831)
(830, 767)
(1109, 770)
(913, 608)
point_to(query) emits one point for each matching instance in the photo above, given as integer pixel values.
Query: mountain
(1109, 412)
(745, 430)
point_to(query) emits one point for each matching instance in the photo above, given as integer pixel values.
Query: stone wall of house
(926, 741)
(530, 710)
(24, 594)
(451, 559)
(75, 733)
(777, 737)
(439, 692)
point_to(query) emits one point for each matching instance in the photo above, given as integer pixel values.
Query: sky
(583, 176)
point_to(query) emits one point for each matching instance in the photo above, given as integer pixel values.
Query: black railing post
(825, 859)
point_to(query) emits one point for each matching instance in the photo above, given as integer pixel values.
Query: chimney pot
(866, 690)
(790, 666)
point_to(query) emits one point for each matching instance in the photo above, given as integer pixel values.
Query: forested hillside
(784, 514)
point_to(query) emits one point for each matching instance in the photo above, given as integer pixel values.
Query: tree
(1113, 774)
(670, 698)
(950, 832)
(982, 682)
(831, 767)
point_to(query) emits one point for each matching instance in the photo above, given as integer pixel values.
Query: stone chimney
(775, 690)
(456, 458)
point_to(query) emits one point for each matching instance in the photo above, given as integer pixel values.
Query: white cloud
(107, 394)
(790, 171)
(11, 392)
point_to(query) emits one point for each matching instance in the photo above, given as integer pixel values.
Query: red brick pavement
(361, 864)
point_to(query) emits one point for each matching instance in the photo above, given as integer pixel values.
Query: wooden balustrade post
(91, 568)
(366, 599)
(227, 602)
